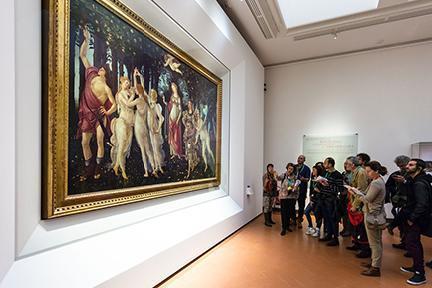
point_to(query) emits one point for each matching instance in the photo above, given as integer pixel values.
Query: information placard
(317, 148)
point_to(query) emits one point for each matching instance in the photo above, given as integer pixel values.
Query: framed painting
(127, 115)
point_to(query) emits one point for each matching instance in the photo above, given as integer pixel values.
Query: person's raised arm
(135, 74)
(84, 48)
(142, 83)
(132, 101)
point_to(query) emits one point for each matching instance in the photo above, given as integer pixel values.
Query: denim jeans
(309, 208)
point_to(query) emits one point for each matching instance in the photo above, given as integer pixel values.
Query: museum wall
(7, 143)
(384, 96)
(140, 244)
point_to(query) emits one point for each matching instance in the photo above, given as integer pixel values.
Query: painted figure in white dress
(121, 138)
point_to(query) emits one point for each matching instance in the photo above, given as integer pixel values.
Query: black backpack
(427, 230)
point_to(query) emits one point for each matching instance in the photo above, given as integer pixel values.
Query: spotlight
(334, 35)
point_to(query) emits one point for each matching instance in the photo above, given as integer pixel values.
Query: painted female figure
(141, 123)
(121, 138)
(190, 136)
(155, 121)
(174, 130)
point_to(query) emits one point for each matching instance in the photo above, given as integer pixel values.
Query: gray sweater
(375, 196)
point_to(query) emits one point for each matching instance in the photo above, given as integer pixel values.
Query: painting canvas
(128, 115)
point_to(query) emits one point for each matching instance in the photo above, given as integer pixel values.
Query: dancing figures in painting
(130, 127)
(141, 123)
(122, 127)
(174, 130)
(204, 137)
(155, 121)
(96, 105)
(190, 139)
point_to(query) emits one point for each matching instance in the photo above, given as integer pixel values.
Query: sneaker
(310, 231)
(429, 264)
(283, 233)
(417, 279)
(316, 234)
(407, 269)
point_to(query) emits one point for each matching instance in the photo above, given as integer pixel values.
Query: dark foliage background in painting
(119, 47)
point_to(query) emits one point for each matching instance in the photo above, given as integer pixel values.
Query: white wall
(142, 243)
(7, 143)
(384, 95)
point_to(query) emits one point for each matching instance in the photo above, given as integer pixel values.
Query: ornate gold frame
(56, 201)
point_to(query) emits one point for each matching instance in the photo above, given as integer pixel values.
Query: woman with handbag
(288, 195)
(374, 214)
(269, 192)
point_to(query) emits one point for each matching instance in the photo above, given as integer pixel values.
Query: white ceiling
(300, 12)
(283, 48)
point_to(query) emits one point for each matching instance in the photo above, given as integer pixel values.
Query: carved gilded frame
(56, 201)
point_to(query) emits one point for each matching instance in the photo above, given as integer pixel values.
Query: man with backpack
(396, 194)
(416, 215)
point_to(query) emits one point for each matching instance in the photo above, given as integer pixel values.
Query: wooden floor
(257, 256)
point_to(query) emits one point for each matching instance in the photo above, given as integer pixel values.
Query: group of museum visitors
(354, 201)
